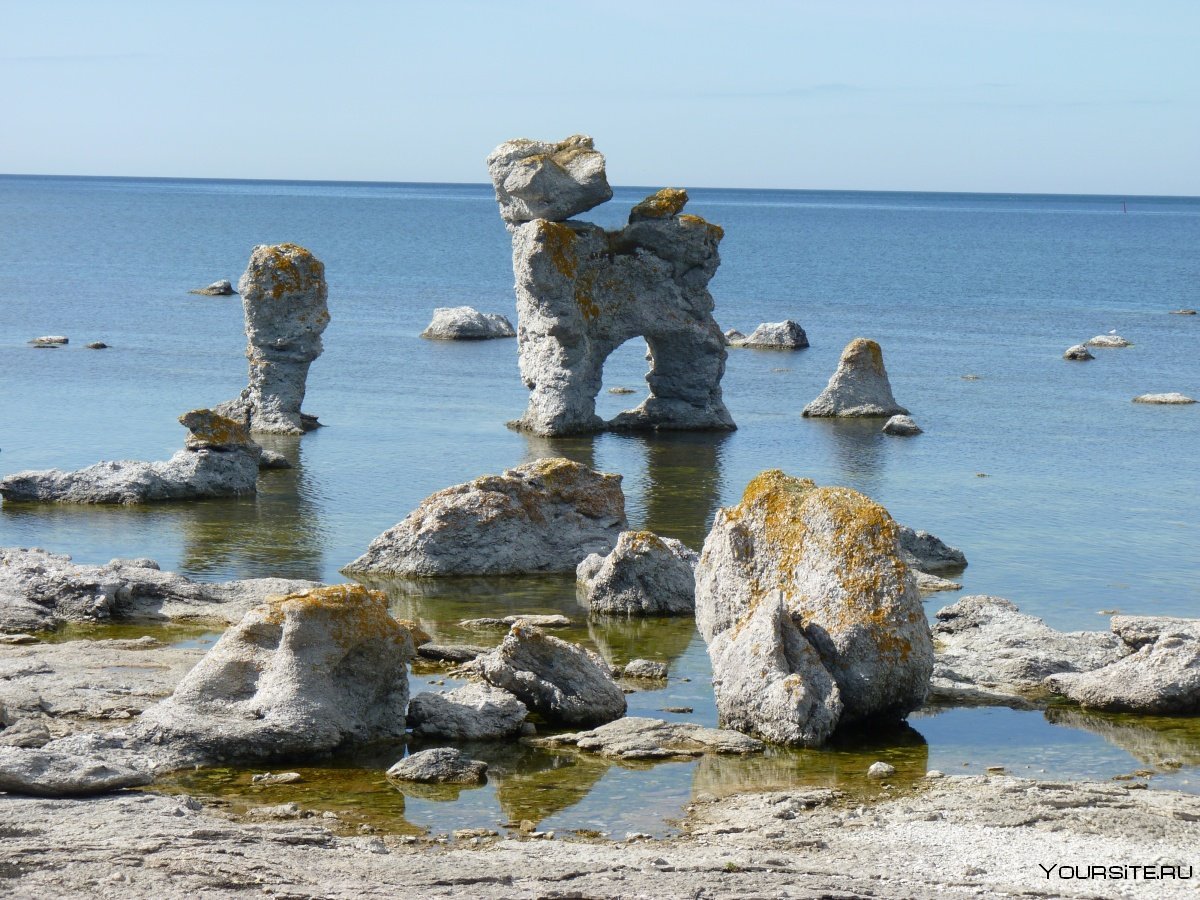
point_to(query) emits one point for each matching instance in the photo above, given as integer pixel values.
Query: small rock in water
(48, 342)
(996, 770)
(901, 425)
(272, 459)
(678, 709)
(859, 387)
(970, 377)
(1172, 399)
(881, 770)
(647, 669)
(1079, 352)
(785, 335)
(465, 323)
(934, 774)
(441, 765)
(97, 345)
(1108, 340)
(221, 288)
(1183, 312)
(621, 390)
(269, 778)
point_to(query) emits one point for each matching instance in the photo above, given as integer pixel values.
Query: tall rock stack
(284, 298)
(583, 291)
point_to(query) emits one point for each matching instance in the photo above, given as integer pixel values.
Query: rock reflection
(682, 485)
(620, 639)
(580, 449)
(533, 783)
(857, 447)
(1151, 740)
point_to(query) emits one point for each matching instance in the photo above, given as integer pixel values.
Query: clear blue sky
(973, 95)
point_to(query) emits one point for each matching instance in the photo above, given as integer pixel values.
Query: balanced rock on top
(859, 387)
(544, 180)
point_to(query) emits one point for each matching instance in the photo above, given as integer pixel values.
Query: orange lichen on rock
(352, 613)
(209, 429)
(661, 205)
(559, 241)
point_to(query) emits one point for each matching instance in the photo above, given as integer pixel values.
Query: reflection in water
(682, 486)
(857, 447)
(1148, 739)
(620, 639)
(534, 784)
(579, 448)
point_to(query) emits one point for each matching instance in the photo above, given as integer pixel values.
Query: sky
(1054, 96)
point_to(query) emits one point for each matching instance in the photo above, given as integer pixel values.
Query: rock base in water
(1172, 399)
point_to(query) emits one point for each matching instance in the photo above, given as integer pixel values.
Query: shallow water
(1089, 502)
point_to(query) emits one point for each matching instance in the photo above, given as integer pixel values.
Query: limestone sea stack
(465, 323)
(859, 387)
(544, 516)
(811, 616)
(219, 459)
(284, 302)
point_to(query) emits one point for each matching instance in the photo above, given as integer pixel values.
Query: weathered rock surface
(1160, 674)
(451, 653)
(785, 335)
(46, 773)
(562, 682)
(27, 732)
(284, 301)
(636, 737)
(645, 669)
(220, 288)
(924, 551)
(859, 387)
(1108, 340)
(988, 650)
(902, 426)
(464, 323)
(1173, 398)
(547, 620)
(544, 516)
(218, 460)
(303, 673)
(473, 712)
(544, 180)
(441, 765)
(881, 769)
(41, 590)
(644, 575)
(583, 291)
(801, 590)
(1078, 352)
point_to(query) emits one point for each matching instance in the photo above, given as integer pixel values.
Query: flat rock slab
(554, 620)
(1172, 399)
(46, 773)
(635, 737)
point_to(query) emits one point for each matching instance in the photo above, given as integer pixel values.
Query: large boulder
(810, 582)
(464, 323)
(637, 737)
(284, 301)
(644, 575)
(473, 712)
(218, 460)
(859, 387)
(545, 180)
(785, 335)
(1160, 675)
(562, 682)
(301, 674)
(48, 773)
(544, 516)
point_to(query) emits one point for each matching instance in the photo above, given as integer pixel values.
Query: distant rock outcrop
(859, 387)
(1172, 399)
(220, 288)
(1109, 340)
(1078, 352)
(903, 426)
(785, 335)
(465, 323)
(284, 300)
(583, 291)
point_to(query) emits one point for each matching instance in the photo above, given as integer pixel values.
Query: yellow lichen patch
(208, 428)
(292, 268)
(559, 241)
(352, 613)
(660, 205)
(643, 541)
(863, 349)
(714, 229)
(585, 287)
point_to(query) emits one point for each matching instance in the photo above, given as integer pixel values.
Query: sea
(1066, 497)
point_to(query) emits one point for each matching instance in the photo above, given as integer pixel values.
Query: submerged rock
(544, 180)
(473, 712)
(284, 301)
(903, 426)
(218, 460)
(1078, 352)
(636, 737)
(544, 516)
(859, 387)
(562, 682)
(220, 288)
(1108, 340)
(644, 575)
(1172, 399)
(785, 335)
(441, 765)
(47, 773)
(811, 616)
(464, 323)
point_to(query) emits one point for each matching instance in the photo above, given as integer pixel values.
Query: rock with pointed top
(903, 426)
(644, 575)
(859, 387)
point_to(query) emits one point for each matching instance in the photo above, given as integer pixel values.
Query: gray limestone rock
(543, 180)
(644, 575)
(785, 335)
(562, 682)
(441, 765)
(450, 653)
(1108, 340)
(799, 585)
(989, 650)
(583, 291)
(27, 732)
(544, 516)
(904, 426)
(1172, 399)
(1078, 352)
(645, 669)
(880, 769)
(924, 551)
(1160, 675)
(733, 337)
(50, 340)
(931, 584)
(218, 460)
(1183, 312)
(47, 773)
(220, 288)
(473, 712)
(636, 737)
(301, 674)
(284, 301)
(859, 387)
(464, 323)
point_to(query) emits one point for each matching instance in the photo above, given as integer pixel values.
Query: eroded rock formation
(583, 291)
(644, 575)
(859, 387)
(284, 300)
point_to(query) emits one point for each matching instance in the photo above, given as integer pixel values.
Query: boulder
(441, 765)
(859, 387)
(301, 674)
(450, 653)
(644, 575)
(931, 584)
(785, 335)
(24, 732)
(1108, 340)
(636, 737)
(1172, 399)
(924, 551)
(220, 288)
(473, 712)
(880, 769)
(1159, 676)
(989, 650)
(218, 460)
(1078, 352)
(463, 323)
(902, 426)
(544, 180)
(47, 773)
(550, 620)
(645, 669)
(811, 616)
(544, 516)
(284, 302)
(561, 682)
